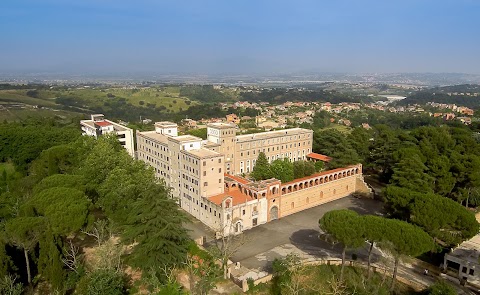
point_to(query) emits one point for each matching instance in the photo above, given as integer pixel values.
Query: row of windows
(203, 206)
(219, 161)
(272, 149)
(190, 160)
(190, 179)
(190, 169)
(273, 141)
(151, 143)
(155, 161)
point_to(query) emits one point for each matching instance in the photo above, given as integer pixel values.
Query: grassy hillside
(20, 96)
(19, 104)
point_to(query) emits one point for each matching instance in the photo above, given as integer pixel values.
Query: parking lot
(295, 233)
(298, 233)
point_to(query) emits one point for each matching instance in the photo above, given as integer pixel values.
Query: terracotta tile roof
(319, 157)
(237, 179)
(318, 174)
(237, 196)
(102, 123)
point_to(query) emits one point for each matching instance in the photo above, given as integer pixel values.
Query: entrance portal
(274, 213)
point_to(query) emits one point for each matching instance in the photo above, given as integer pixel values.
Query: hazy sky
(239, 36)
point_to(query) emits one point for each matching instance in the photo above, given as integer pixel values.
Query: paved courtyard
(295, 233)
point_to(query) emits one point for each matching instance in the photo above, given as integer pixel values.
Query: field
(159, 96)
(340, 128)
(169, 97)
(19, 104)
(20, 96)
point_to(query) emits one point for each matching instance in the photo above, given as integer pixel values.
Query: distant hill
(465, 95)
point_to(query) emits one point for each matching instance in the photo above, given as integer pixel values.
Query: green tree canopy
(403, 238)
(333, 143)
(345, 227)
(261, 170)
(61, 180)
(444, 219)
(155, 224)
(282, 170)
(410, 173)
(66, 209)
(102, 282)
(24, 233)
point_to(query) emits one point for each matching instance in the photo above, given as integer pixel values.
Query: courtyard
(297, 233)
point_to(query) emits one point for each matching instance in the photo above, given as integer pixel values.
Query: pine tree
(261, 170)
(411, 173)
(155, 223)
(345, 227)
(50, 264)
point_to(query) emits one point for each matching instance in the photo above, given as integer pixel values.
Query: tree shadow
(367, 206)
(314, 243)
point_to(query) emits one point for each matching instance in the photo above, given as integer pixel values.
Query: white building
(98, 126)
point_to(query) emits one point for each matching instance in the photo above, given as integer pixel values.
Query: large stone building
(98, 126)
(204, 174)
(241, 151)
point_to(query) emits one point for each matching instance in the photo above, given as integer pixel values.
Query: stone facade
(204, 176)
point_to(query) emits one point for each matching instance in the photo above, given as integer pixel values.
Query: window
(219, 160)
(204, 163)
(219, 180)
(204, 173)
(205, 183)
(254, 222)
(243, 212)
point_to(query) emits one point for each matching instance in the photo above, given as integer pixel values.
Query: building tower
(224, 135)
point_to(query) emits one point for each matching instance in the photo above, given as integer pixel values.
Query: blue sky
(242, 36)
